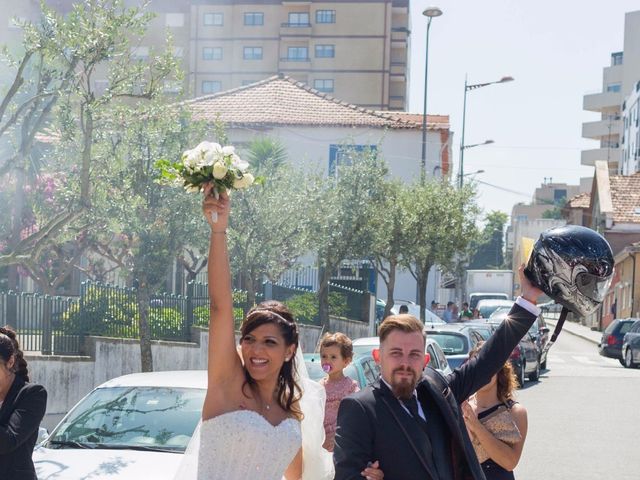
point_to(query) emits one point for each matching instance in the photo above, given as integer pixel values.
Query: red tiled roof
(281, 100)
(582, 200)
(433, 121)
(625, 196)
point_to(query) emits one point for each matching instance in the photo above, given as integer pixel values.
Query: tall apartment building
(618, 82)
(630, 155)
(355, 50)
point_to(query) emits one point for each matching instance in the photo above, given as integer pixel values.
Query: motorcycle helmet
(573, 265)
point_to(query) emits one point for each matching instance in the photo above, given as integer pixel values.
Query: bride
(252, 419)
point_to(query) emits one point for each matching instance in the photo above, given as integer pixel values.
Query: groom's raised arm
(354, 440)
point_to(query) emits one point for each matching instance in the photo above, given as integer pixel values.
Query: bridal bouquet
(207, 163)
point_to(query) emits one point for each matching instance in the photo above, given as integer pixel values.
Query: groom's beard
(404, 386)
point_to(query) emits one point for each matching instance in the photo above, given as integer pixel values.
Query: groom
(412, 424)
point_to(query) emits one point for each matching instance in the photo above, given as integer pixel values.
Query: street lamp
(486, 142)
(468, 87)
(477, 172)
(430, 13)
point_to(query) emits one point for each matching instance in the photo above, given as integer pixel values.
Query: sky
(555, 50)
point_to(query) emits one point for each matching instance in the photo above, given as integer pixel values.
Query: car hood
(79, 464)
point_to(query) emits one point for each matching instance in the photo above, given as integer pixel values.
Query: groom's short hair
(404, 322)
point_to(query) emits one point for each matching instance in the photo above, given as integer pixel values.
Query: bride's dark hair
(288, 390)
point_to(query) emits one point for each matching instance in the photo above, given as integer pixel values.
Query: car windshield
(487, 308)
(451, 344)
(363, 349)
(154, 418)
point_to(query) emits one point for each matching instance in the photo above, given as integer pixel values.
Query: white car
(438, 360)
(414, 309)
(130, 428)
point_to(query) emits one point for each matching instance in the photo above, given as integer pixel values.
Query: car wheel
(628, 360)
(521, 375)
(621, 360)
(543, 365)
(535, 375)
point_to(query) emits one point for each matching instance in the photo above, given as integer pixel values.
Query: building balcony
(589, 157)
(398, 68)
(295, 29)
(396, 102)
(400, 34)
(601, 101)
(287, 63)
(600, 129)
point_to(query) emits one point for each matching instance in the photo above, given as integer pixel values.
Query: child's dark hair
(10, 347)
(338, 340)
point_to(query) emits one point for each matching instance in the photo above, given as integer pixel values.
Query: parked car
(487, 307)
(456, 341)
(539, 331)
(612, 338)
(481, 326)
(631, 346)
(437, 358)
(137, 425)
(363, 369)
(474, 298)
(414, 309)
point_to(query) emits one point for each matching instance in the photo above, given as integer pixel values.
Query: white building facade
(630, 159)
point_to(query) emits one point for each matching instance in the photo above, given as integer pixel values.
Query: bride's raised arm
(223, 362)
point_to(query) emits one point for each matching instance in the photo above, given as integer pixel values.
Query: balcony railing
(295, 25)
(295, 59)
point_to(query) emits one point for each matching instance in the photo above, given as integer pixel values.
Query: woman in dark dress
(497, 424)
(22, 407)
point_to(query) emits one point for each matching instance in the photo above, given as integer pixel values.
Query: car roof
(495, 301)
(175, 379)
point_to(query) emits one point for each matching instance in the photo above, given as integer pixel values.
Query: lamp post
(430, 13)
(468, 87)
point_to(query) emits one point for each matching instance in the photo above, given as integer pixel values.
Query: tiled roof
(281, 100)
(582, 200)
(433, 121)
(625, 196)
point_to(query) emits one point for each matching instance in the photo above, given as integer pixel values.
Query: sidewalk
(576, 329)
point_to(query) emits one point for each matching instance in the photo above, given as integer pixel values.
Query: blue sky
(555, 50)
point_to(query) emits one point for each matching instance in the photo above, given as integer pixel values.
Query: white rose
(190, 160)
(228, 150)
(243, 182)
(219, 170)
(208, 159)
(237, 162)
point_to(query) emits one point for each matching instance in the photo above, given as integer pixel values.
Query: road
(584, 417)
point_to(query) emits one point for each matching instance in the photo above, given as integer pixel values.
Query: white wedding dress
(243, 445)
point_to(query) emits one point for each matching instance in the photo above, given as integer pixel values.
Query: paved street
(584, 417)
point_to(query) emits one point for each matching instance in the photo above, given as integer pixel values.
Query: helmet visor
(592, 286)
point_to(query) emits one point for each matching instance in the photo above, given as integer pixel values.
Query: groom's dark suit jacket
(373, 425)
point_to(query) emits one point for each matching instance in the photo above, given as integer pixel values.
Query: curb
(584, 336)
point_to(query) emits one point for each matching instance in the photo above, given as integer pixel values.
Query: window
(174, 20)
(613, 87)
(559, 195)
(140, 53)
(341, 156)
(252, 53)
(325, 16)
(212, 53)
(298, 54)
(616, 58)
(325, 51)
(522, 218)
(299, 19)
(323, 85)
(213, 19)
(211, 86)
(254, 18)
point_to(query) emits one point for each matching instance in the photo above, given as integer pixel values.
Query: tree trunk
(324, 275)
(16, 223)
(391, 285)
(144, 297)
(251, 294)
(423, 277)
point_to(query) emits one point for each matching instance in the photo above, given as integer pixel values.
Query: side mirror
(43, 434)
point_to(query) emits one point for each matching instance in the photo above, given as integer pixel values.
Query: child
(336, 352)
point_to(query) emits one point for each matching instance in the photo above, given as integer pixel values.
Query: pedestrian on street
(23, 405)
(412, 424)
(448, 315)
(466, 314)
(497, 424)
